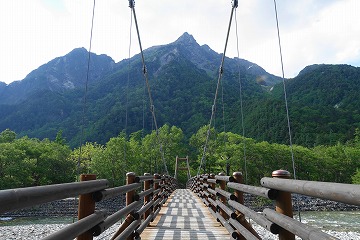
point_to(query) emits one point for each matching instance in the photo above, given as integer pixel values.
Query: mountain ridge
(182, 77)
(60, 74)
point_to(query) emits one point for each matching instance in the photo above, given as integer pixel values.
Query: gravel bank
(39, 231)
(68, 207)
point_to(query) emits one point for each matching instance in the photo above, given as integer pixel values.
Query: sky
(33, 32)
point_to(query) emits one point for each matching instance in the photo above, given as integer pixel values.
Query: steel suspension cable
(285, 95)
(203, 158)
(143, 129)
(286, 102)
(224, 127)
(127, 94)
(86, 90)
(128, 77)
(241, 101)
(152, 107)
(82, 131)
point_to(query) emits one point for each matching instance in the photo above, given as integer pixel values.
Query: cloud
(312, 31)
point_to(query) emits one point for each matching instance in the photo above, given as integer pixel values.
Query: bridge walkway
(184, 216)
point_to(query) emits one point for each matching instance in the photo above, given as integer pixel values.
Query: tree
(28, 162)
(59, 138)
(198, 141)
(356, 177)
(7, 136)
(112, 162)
(14, 167)
(83, 157)
(357, 136)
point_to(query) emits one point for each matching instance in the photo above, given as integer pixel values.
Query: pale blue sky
(34, 32)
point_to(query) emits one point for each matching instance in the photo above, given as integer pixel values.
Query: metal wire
(221, 70)
(85, 97)
(286, 102)
(241, 101)
(127, 95)
(152, 107)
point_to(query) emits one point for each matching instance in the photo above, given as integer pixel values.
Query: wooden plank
(184, 216)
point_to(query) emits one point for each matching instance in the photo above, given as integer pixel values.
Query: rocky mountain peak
(186, 39)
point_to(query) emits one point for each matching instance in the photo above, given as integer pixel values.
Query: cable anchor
(221, 70)
(131, 3)
(234, 3)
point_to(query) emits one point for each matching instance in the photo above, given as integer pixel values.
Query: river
(343, 225)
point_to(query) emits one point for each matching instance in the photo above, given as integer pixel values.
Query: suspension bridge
(211, 207)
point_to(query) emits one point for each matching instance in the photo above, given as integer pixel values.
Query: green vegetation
(32, 162)
(356, 177)
(323, 99)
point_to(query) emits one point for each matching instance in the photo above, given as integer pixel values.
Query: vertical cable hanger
(241, 102)
(85, 93)
(125, 170)
(203, 158)
(152, 107)
(82, 133)
(286, 103)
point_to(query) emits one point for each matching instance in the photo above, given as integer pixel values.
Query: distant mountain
(204, 58)
(182, 77)
(59, 75)
(324, 107)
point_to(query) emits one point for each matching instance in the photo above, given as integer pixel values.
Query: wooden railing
(144, 198)
(224, 195)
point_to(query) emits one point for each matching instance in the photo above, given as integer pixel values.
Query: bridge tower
(182, 167)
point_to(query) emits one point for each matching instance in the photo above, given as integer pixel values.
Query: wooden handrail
(139, 213)
(19, 198)
(339, 192)
(222, 194)
(213, 194)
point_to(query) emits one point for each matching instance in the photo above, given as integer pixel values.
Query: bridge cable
(241, 101)
(152, 107)
(143, 128)
(127, 95)
(221, 70)
(227, 167)
(86, 90)
(82, 131)
(286, 103)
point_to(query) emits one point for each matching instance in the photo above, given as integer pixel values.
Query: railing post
(195, 186)
(130, 178)
(206, 187)
(86, 206)
(156, 187)
(238, 194)
(212, 186)
(240, 199)
(163, 187)
(222, 185)
(284, 204)
(147, 197)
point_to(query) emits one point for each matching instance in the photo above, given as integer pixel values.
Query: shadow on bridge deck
(184, 216)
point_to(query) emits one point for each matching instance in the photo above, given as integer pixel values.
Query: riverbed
(343, 225)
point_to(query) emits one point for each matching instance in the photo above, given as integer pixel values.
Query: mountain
(182, 78)
(323, 106)
(59, 75)
(326, 104)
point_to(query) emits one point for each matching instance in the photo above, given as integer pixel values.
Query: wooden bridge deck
(184, 216)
